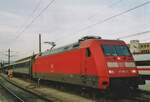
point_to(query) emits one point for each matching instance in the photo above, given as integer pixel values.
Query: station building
(137, 47)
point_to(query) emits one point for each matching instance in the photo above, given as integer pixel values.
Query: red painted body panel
(101, 65)
(67, 62)
(123, 72)
(70, 62)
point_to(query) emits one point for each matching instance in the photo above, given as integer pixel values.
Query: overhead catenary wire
(99, 22)
(117, 15)
(34, 19)
(30, 16)
(112, 17)
(136, 34)
(112, 4)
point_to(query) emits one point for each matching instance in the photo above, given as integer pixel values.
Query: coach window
(88, 52)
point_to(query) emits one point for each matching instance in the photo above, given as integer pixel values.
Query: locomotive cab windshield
(116, 50)
(120, 63)
(119, 60)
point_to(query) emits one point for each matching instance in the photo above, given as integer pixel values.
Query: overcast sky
(65, 21)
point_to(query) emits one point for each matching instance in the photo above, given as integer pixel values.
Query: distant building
(145, 47)
(137, 47)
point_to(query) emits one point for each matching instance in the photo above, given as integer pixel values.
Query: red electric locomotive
(92, 62)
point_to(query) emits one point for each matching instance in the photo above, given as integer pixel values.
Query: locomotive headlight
(130, 64)
(118, 58)
(111, 72)
(134, 71)
(112, 64)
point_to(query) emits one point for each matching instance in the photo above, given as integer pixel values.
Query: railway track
(110, 96)
(5, 96)
(122, 95)
(19, 94)
(12, 93)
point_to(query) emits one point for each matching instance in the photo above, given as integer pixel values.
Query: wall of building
(145, 47)
(137, 47)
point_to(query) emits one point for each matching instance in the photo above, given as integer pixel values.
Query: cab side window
(88, 52)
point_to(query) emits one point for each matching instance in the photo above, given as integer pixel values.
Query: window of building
(142, 51)
(147, 51)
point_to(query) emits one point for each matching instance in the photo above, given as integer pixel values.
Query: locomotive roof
(61, 49)
(7, 65)
(71, 46)
(24, 59)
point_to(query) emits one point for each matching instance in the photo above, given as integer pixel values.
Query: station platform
(52, 94)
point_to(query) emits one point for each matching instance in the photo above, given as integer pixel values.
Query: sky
(65, 21)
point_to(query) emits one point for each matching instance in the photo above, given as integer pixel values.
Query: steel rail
(30, 92)
(12, 93)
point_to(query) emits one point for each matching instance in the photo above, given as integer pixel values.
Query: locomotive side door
(85, 65)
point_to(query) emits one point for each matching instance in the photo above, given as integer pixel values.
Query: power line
(112, 4)
(136, 34)
(34, 10)
(9, 55)
(114, 16)
(34, 19)
(31, 15)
